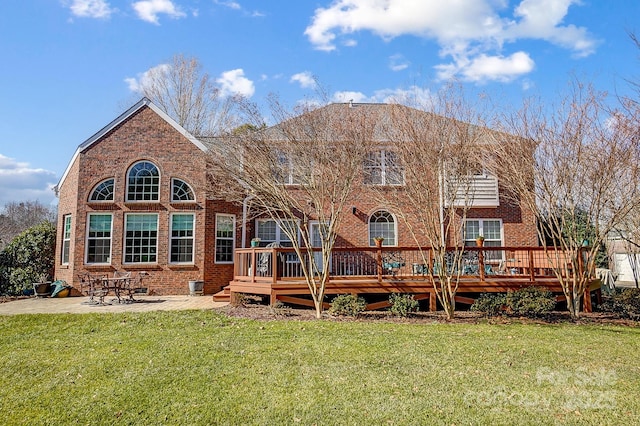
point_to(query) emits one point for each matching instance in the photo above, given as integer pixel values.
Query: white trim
(89, 200)
(121, 118)
(126, 182)
(193, 238)
(395, 228)
(65, 239)
(233, 238)
(86, 239)
(186, 183)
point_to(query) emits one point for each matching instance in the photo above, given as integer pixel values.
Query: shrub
(347, 304)
(28, 258)
(490, 304)
(530, 301)
(624, 302)
(402, 304)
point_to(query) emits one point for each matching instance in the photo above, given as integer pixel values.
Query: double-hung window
(141, 238)
(269, 231)
(383, 168)
(182, 245)
(66, 239)
(99, 238)
(225, 237)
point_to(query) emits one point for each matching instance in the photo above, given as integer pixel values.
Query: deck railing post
(253, 265)
(481, 264)
(379, 262)
(532, 275)
(274, 265)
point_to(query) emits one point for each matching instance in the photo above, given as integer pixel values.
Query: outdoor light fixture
(354, 209)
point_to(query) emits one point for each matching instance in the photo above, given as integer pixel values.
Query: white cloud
(148, 10)
(472, 32)
(91, 8)
(305, 79)
(414, 95)
(398, 63)
(348, 96)
(483, 68)
(229, 4)
(234, 82)
(20, 182)
(136, 84)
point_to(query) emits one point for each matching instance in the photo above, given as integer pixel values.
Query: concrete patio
(81, 305)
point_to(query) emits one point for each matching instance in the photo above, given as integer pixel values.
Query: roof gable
(122, 118)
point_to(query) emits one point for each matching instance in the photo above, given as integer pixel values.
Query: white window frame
(383, 166)
(86, 251)
(173, 200)
(386, 241)
(279, 233)
(192, 238)
(159, 185)
(232, 238)
(66, 239)
(124, 242)
(95, 188)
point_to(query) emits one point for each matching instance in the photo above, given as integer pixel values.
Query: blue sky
(69, 67)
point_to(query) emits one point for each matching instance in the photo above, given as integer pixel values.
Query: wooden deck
(377, 272)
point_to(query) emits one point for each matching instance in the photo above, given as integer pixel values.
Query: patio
(81, 305)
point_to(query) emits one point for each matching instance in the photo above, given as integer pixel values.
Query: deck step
(223, 295)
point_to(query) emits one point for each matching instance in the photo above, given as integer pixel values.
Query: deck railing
(271, 265)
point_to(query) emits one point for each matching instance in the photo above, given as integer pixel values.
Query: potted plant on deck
(479, 241)
(378, 240)
(255, 242)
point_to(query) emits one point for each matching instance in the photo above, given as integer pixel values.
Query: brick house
(134, 198)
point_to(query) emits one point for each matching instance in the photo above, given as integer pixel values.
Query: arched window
(181, 191)
(103, 191)
(143, 182)
(382, 224)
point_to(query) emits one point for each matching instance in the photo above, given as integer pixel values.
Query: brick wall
(143, 136)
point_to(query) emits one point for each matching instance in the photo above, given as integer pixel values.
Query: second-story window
(143, 182)
(103, 191)
(383, 168)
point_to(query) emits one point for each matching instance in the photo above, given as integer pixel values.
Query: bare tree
(19, 216)
(576, 168)
(188, 95)
(299, 172)
(440, 146)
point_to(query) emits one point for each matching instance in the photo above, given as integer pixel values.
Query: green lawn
(199, 367)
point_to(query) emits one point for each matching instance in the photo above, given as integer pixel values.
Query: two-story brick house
(134, 198)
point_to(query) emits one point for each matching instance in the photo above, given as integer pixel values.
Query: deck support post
(433, 302)
(586, 304)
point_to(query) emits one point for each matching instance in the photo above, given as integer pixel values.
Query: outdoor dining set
(123, 285)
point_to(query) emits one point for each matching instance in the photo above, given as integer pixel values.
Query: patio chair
(392, 262)
(264, 259)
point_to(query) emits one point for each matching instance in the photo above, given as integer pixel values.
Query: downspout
(245, 209)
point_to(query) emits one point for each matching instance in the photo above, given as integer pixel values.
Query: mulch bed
(257, 311)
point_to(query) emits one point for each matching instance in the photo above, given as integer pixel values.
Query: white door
(623, 267)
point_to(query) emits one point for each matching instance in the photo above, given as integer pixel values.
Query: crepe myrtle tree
(574, 164)
(439, 145)
(300, 172)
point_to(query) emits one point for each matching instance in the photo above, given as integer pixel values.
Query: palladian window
(143, 182)
(382, 224)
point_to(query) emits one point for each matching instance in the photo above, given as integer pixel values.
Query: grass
(199, 367)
